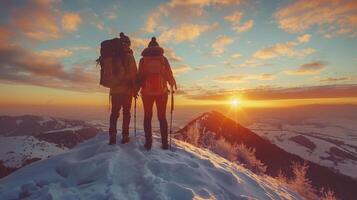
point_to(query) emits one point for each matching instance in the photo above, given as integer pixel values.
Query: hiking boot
(147, 145)
(125, 139)
(112, 140)
(165, 146)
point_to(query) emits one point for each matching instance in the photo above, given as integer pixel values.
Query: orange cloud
(172, 56)
(37, 20)
(42, 20)
(182, 11)
(71, 21)
(233, 58)
(235, 19)
(244, 27)
(220, 43)
(243, 78)
(204, 2)
(204, 67)
(181, 69)
(43, 71)
(308, 68)
(5, 35)
(332, 17)
(185, 32)
(338, 79)
(56, 53)
(138, 44)
(279, 50)
(285, 49)
(273, 93)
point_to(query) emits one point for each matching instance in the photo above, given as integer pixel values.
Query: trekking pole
(172, 110)
(135, 116)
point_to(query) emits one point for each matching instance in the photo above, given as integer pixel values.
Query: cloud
(337, 17)
(235, 20)
(180, 69)
(62, 52)
(243, 78)
(56, 53)
(308, 68)
(205, 2)
(236, 56)
(235, 17)
(304, 38)
(182, 11)
(220, 43)
(138, 44)
(231, 59)
(111, 14)
(185, 32)
(172, 56)
(251, 62)
(18, 65)
(244, 27)
(80, 48)
(39, 20)
(278, 93)
(285, 49)
(5, 35)
(71, 21)
(204, 67)
(339, 79)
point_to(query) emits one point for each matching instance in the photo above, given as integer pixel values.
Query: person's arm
(169, 74)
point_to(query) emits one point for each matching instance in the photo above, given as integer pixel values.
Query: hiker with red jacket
(153, 76)
(118, 72)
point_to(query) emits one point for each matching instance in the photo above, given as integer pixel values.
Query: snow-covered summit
(95, 170)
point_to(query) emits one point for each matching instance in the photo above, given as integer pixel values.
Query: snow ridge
(95, 170)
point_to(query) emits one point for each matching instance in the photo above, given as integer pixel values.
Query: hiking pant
(148, 102)
(120, 101)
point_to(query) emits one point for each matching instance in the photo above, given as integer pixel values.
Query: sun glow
(235, 102)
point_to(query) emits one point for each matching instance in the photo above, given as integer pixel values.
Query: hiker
(119, 74)
(153, 76)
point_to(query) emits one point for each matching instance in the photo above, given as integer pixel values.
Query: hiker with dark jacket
(153, 76)
(121, 93)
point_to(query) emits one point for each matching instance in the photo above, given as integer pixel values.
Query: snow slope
(28, 138)
(95, 170)
(327, 144)
(15, 151)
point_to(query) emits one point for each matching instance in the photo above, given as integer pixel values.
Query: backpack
(111, 62)
(154, 71)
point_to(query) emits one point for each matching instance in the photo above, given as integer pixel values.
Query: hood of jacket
(153, 51)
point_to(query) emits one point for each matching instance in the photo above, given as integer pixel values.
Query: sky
(264, 53)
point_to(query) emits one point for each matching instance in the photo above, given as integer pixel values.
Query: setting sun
(235, 102)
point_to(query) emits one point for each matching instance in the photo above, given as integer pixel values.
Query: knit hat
(153, 42)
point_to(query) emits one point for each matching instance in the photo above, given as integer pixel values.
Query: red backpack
(154, 71)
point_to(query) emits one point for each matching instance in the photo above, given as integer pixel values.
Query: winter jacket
(155, 51)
